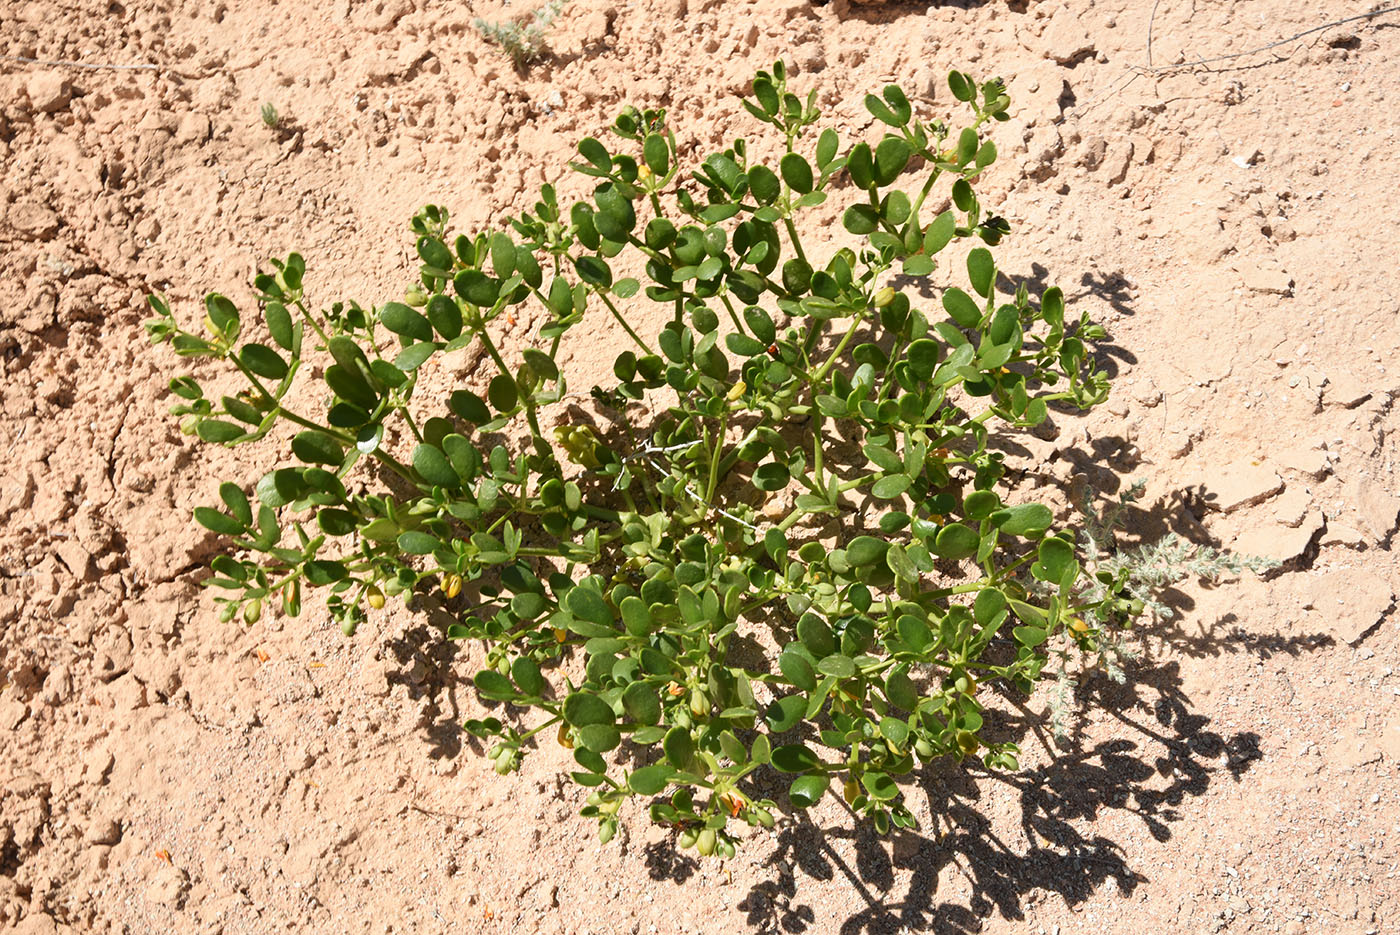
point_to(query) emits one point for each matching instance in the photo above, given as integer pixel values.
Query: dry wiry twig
(1149, 68)
(1134, 72)
(63, 63)
(1151, 20)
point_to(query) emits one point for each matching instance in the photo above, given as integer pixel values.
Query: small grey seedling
(523, 43)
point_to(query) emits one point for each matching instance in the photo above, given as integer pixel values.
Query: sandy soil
(1233, 226)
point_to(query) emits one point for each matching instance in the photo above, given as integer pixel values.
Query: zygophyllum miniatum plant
(796, 558)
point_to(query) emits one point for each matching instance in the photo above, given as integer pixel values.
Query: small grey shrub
(524, 43)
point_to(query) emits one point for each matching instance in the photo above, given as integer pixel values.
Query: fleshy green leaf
(981, 271)
(797, 173)
(221, 523)
(794, 758)
(961, 308)
(430, 462)
(865, 550)
(806, 791)
(494, 685)
(649, 780)
(890, 486)
(1028, 520)
(956, 542)
(317, 448)
(582, 709)
(263, 361)
(860, 219)
(679, 747)
(413, 542)
(785, 713)
(406, 322)
(587, 604)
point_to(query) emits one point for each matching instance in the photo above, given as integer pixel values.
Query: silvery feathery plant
(523, 42)
(1141, 574)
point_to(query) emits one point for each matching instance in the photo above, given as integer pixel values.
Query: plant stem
(623, 322)
(729, 307)
(313, 323)
(491, 349)
(715, 458)
(836, 354)
(535, 730)
(795, 240)
(923, 194)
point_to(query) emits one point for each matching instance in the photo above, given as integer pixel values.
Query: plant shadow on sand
(1160, 755)
(1164, 755)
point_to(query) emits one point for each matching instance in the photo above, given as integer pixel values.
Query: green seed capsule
(699, 703)
(606, 830)
(252, 611)
(687, 839)
(705, 842)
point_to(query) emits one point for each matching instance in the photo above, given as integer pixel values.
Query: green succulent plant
(800, 561)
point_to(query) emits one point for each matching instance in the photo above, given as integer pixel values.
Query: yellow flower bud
(452, 585)
(884, 297)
